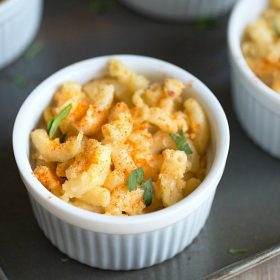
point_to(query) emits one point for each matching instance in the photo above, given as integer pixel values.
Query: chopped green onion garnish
(55, 122)
(181, 142)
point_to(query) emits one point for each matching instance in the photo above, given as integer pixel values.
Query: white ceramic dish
(181, 9)
(257, 106)
(120, 242)
(19, 23)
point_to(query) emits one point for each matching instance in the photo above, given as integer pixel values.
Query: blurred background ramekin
(121, 243)
(19, 23)
(180, 10)
(257, 106)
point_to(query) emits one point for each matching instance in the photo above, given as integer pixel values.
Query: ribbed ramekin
(257, 106)
(120, 243)
(19, 22)
(181, 9)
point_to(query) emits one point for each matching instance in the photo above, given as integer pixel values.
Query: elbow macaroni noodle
(119, 123)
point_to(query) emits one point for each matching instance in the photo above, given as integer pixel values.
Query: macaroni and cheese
(120, 144)
(261, 46)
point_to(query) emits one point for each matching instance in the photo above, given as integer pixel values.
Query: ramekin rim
(174, 15)
(210, 181)
(237, 56)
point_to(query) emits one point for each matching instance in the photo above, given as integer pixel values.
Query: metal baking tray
(246, 206)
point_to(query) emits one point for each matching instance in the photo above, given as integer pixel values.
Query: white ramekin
(181, 9)
(257, 106)
(120, 243)
(19, 22)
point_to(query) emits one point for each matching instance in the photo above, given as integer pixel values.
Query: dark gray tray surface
(246, 207)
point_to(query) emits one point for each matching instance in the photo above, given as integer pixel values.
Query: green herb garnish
(49, 125)
(275, 28)
(205, 24)
(136, 176)
(62, 138)
(100, 6)
(148, 192)
(34, 50)
(236, 251)
(181, 142)
(53, 124)
(20, 81)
